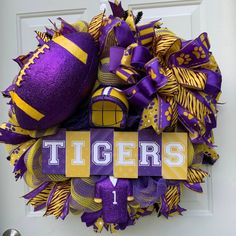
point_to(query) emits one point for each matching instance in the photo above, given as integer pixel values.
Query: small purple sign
(149, 153)
(54, 153)
(101, 151)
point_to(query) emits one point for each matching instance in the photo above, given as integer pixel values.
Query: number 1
(114, 201)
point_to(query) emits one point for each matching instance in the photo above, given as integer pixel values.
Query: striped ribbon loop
(95, 26)
(170, 201)
(128, 75)
(196, 175)
(42, 37)
(146, 33)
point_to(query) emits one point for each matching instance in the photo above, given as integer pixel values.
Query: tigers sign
(120, 154)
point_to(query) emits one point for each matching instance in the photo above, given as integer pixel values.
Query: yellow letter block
(125, 155)
(174, 155)
(77, 154)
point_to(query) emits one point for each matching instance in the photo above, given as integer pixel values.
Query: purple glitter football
(55, 80)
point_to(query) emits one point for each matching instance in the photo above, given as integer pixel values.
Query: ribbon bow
(127, 45)
(181, 83)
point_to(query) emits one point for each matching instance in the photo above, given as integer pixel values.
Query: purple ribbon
(153, 69)
(117, 10)
(106, 30)
(20, 166)
(90, 218)
(9, 137)
(213, 83)
(116, 54)
(66, 208)
(36, 191)
(194, 186)
(40, 207)
(141, 55)
(124, 35)
(51, 194)
(66, 28)
(141, 93)
(197, 49)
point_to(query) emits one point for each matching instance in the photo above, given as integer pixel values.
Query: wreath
(111, 73)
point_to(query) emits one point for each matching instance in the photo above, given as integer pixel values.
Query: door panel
(207, 212)
(29, 22)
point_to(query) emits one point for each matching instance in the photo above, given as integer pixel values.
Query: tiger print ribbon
(170, 201)
(54, 196)
(182, 84)
(194, 179)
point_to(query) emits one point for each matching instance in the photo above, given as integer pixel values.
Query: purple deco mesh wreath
(165, 84)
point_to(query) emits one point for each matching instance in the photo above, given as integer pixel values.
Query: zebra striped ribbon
(146, 33)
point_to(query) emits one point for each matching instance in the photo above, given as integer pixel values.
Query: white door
(210, 213)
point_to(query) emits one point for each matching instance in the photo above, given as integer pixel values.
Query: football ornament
(109, 108)
(55, 79)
